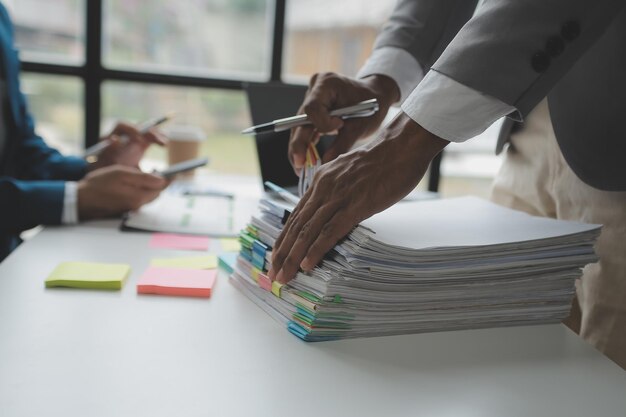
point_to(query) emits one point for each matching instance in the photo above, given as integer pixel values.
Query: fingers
(305, 233)
(155, 136)
(135, 178)
(334, 230)
(125, 129)
(147, 138)
(299, 142)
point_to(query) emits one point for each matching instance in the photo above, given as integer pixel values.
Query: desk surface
(82, 353)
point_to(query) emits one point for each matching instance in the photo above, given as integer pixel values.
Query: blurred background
(90, 63)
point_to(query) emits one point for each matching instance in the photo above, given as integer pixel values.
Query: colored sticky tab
(254, 273)
(177, 281)
(276, 287)
(227, 262)
(264, 282)
(230, 245)
(181, 242)
(88, 275)
(191, 262)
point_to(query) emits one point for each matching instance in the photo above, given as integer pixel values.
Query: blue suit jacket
(32, 174)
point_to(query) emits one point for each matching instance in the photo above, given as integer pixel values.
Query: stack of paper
(422, 266)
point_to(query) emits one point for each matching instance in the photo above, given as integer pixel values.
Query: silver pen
(363, 109)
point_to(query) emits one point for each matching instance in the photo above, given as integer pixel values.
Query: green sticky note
(230, 244)
(89, 275)
(187, 262)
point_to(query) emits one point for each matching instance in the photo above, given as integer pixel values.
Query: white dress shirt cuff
(70, 203)
(452, 110)
(397, 64)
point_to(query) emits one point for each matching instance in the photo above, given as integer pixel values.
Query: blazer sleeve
(26, 204)
(424, 28)
(517, 50)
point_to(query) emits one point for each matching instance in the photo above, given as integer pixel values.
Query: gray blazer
(520, 51)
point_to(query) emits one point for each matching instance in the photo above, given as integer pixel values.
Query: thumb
(299, 142)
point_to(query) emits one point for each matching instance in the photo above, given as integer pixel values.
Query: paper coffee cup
(184, 143)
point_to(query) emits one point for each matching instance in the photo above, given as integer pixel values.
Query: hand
(116, 189)
(130, 152)
(331, 91)
(350, 189)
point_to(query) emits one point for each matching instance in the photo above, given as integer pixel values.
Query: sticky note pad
(177, 281)
(182, 242)
(190, 262)
(227, 261)
(230, 244)
(88, 275)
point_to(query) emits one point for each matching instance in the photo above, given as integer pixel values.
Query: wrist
(418, 143)
(385, 88)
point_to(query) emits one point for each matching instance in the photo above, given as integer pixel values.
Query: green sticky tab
(337, 299)
(88, 275)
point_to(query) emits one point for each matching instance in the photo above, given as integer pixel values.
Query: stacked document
(459, 263)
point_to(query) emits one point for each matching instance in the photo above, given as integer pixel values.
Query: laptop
(271, 101)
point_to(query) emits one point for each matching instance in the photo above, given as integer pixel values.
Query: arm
(29, 203)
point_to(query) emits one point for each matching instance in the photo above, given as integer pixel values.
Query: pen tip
(247, 131)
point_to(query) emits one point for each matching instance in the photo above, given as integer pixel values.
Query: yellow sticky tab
(88, 275)
(187, 262)
(276, 287)
(230, 245)
(254, 272)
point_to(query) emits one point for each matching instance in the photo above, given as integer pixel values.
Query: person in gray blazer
(559, 66)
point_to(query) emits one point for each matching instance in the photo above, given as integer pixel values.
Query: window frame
(93, 74)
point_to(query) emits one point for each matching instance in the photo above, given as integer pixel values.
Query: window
(193, 37)
(56, 102)
(330, 35)
(49, 31)
(469, 167)
(219, 113)
(88, 63)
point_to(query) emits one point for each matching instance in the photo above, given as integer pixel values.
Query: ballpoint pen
(363, 109)
(143, 129)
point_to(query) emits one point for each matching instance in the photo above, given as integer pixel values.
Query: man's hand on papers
(127, 146)
(115, 189)
(328, 91)
(350, 189)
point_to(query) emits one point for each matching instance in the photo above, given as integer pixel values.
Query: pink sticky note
(183, 242)
(177, 281)
(265, 282)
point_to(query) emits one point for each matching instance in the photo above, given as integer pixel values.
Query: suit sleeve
(517, 50)
(26, 204)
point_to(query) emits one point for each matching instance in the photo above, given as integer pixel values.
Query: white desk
(84, 353)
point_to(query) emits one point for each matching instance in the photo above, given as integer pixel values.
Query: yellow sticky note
(230, 245)
(188, 262)
(88, 275)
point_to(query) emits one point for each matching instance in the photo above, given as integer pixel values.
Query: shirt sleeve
(453, 111)
(397, 64)
(70, 203)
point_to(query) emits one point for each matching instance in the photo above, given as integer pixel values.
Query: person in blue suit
(38, 185)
